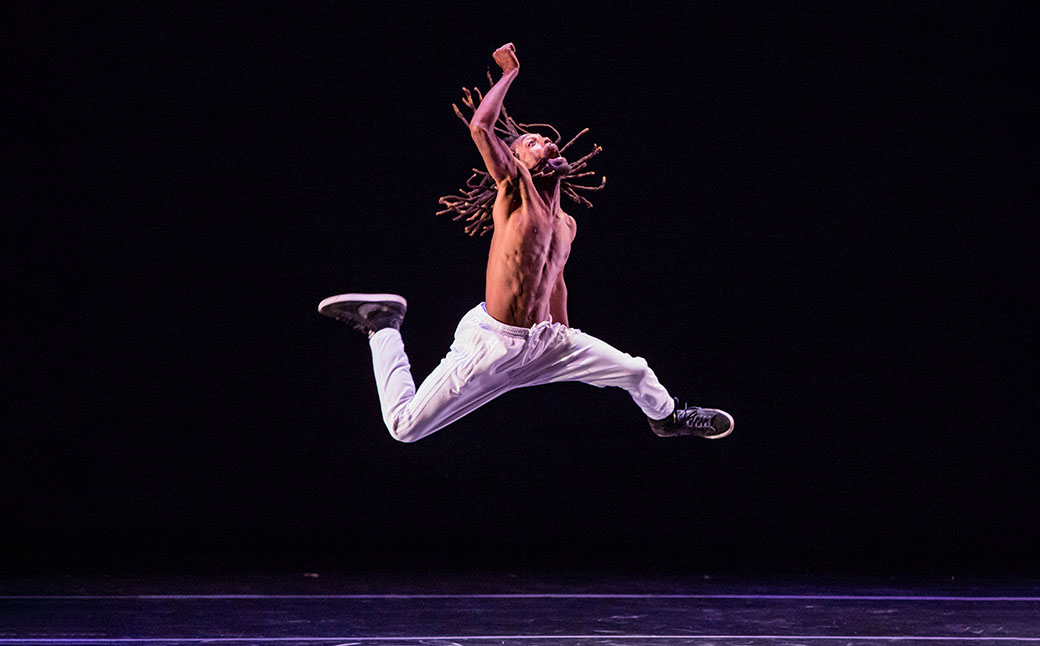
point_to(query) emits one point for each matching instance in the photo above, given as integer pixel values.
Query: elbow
(479, 131)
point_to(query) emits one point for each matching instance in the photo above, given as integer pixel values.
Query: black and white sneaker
(367, 313)
(709, 423)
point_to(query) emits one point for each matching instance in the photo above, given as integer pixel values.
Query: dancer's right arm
(496, 154)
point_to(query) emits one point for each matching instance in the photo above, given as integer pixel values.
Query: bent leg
(462, 382)
(393, 374)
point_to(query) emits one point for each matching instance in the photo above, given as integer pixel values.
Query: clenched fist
(505, 56)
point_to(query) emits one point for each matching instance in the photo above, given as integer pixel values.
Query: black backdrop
(816, 218)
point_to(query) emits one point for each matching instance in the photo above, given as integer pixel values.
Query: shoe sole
(729, 430)
(361, 298)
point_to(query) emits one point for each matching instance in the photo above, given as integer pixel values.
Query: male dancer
(520, 335)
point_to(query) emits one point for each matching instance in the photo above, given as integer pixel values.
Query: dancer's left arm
(558, 299)
(558, 302)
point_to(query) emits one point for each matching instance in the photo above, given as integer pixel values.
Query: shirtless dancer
(520, 335)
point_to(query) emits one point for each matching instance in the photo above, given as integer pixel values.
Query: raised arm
(497, 156)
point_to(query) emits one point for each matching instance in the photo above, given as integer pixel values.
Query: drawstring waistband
(488, 322)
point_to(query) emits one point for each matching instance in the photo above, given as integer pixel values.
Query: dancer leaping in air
(520, 336)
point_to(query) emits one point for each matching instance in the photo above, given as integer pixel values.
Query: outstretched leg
(573, 355)
(576, 356)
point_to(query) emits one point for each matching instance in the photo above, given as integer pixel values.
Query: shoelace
(354, 323)
(368, 312)
(694, 417)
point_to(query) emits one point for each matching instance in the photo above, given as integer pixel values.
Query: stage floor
(543, 610)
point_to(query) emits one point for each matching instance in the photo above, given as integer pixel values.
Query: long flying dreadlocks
(475, 201)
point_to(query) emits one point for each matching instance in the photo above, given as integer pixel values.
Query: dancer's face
(533, 150)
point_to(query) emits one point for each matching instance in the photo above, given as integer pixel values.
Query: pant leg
(572, 355)
(463, 381)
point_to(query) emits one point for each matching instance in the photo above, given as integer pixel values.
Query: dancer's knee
(641, 370)
(403, 430)
(404, 436)
(411, 428)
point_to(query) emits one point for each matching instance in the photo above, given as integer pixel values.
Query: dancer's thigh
(585, 358)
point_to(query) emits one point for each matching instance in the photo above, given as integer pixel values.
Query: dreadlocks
(475, 201)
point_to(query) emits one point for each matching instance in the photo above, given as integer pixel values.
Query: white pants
(489, 358)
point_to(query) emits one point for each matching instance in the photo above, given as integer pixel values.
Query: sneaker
(367, 313)
(708, 423)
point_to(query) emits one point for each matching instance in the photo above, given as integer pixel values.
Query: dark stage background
(818, 217)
